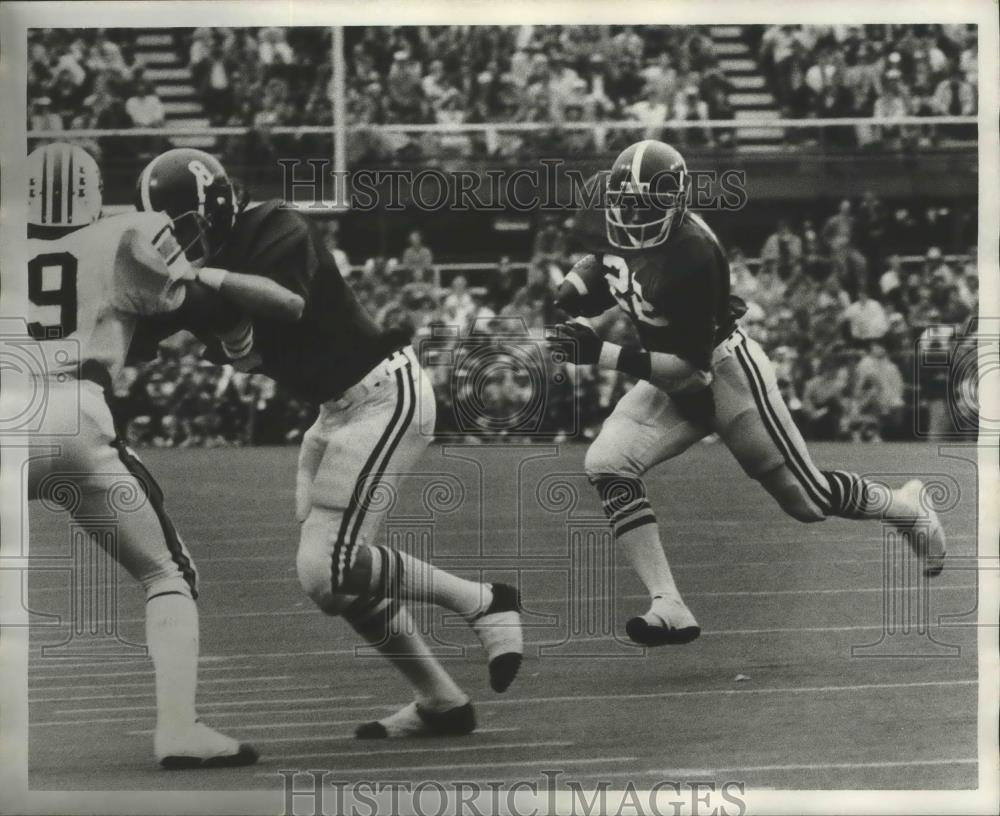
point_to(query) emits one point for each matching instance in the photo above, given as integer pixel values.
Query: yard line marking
(148, 671)
(571, 698)
(430, 748)
(817, 766)
(736, 692)
(37, 662)
(585, 639)
(345, 737)
(217, 704)
(548, 762)
(550, 599)
(362, 711)
(294, 613)
(152, 693)
(209, 681)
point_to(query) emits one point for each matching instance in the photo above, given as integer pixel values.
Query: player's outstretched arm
(255, 295)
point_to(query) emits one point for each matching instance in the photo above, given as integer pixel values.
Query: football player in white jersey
(90, 279)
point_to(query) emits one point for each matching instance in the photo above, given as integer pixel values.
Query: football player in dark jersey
(376, 417)
(698, 373)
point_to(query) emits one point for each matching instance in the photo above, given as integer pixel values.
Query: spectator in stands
(955, 96)
(144, 107)
(822, 74)
(107, 110)
(273, 47)
(823, 403)
(66, 95)
(503, 284)
(215, 86)
(782, 251)
(41, 116)
(417, 258)
(403, 86)
(719, 107)
(878, 393)
(892, 103)
(838, 231)
(651, 111)
(873, 226)
(200, 49)
(866, 320)
(968, 62)
(890, 284)
(458, 307)
(688, 106)
(550, 247)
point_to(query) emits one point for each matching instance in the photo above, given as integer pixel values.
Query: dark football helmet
(647, 195)
(192, 187)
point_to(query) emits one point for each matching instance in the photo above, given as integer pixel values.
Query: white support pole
(339, 130)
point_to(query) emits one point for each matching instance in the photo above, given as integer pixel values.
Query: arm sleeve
(150, 272)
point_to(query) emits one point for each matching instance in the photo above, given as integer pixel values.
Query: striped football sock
(636, 531)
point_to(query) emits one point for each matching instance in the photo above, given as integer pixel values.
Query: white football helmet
(64, 186)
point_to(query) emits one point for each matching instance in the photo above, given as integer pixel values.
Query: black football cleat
(414, 721)
(668, 622)
(202, 747)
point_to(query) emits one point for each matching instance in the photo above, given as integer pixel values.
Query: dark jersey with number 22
(677, 294)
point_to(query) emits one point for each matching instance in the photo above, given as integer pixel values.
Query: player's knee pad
(370, 616)
(791, 496)
(170, 571)
(168, 584)
(314, 566)
(605, 459)
(324, 564)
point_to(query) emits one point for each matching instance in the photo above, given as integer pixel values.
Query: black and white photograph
(466, 409)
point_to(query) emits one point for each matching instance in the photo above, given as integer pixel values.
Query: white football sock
(398, 641)
(644, 552)
(172, 638)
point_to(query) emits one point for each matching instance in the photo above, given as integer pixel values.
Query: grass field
(780, 603)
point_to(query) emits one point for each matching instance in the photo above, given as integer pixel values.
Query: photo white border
(17, 17)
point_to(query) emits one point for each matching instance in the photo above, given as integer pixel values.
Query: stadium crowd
(888, 71)
(265, 77)
(848, 324)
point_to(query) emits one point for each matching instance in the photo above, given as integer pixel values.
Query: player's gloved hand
(583, 344)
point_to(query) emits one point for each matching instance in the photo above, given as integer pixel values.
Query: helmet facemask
(192, 231)
(641, 215)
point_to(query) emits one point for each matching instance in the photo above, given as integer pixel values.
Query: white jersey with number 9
(90, 286)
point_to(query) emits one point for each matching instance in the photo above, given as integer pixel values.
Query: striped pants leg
(644, 430)
(349, 465)
(754, 421)
(79, 464)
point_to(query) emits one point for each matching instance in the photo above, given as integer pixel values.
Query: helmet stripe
(57, 184)
(45, 184)
(640, 151)
(70, 189)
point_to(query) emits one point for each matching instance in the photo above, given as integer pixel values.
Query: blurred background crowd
(864, 342)
(846, 302)
(261, 78)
